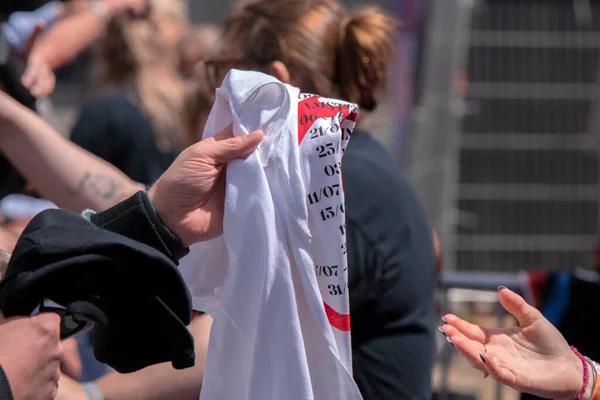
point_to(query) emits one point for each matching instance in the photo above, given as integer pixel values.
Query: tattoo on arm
(100, 186)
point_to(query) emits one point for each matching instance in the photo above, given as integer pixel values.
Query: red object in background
(537, 281)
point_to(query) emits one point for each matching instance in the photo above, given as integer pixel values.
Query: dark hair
(327, 50)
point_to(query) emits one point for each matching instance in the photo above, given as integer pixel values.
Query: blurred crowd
(137, 142)
(154, 93)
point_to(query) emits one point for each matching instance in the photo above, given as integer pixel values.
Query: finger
(518, 307)
(469, 350)
(44, 85)
(49, 322)
(38, 78)
(70, 363)
(31, 72)
(471, 331)
(497, 372)
(35, 34)
(225, 150)
(449, 331)
(36, 90)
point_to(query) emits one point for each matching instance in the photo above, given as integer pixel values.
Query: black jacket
(107, 276)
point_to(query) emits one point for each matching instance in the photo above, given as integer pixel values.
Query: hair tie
(367, 95)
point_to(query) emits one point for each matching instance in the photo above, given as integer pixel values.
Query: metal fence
(505, 134)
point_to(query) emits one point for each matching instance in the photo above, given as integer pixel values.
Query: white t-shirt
(276, 281)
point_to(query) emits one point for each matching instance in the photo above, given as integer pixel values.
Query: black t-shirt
(112, 127)
(391, 276)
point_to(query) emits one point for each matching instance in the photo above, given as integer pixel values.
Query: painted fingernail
(501, 287)
(482, 358)
(444, 319)
(443, 333)
(449, 341)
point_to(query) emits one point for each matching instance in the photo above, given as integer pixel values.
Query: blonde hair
(198, 98)
(135, 57)
(197, 105)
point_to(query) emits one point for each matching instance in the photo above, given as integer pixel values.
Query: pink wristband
(586, 373)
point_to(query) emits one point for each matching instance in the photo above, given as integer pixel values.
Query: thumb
(37, 31)
(227, 149)
(518, 307)
(50, 321)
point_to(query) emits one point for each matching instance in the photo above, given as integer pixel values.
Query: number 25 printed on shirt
(324, 129)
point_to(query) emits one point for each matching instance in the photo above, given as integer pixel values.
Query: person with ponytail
(322, 48)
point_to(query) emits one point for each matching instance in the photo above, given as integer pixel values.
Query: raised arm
(62, 172)
(75, 33)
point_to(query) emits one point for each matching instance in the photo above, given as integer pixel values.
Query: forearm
(157, 382)
(162, 381)
(61, 171)
(59, 45)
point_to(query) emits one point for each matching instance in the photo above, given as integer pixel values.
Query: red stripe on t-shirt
(311, 109)
(336, 319)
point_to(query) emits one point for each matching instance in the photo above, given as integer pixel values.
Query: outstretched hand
(533, 357)
(190, 196)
